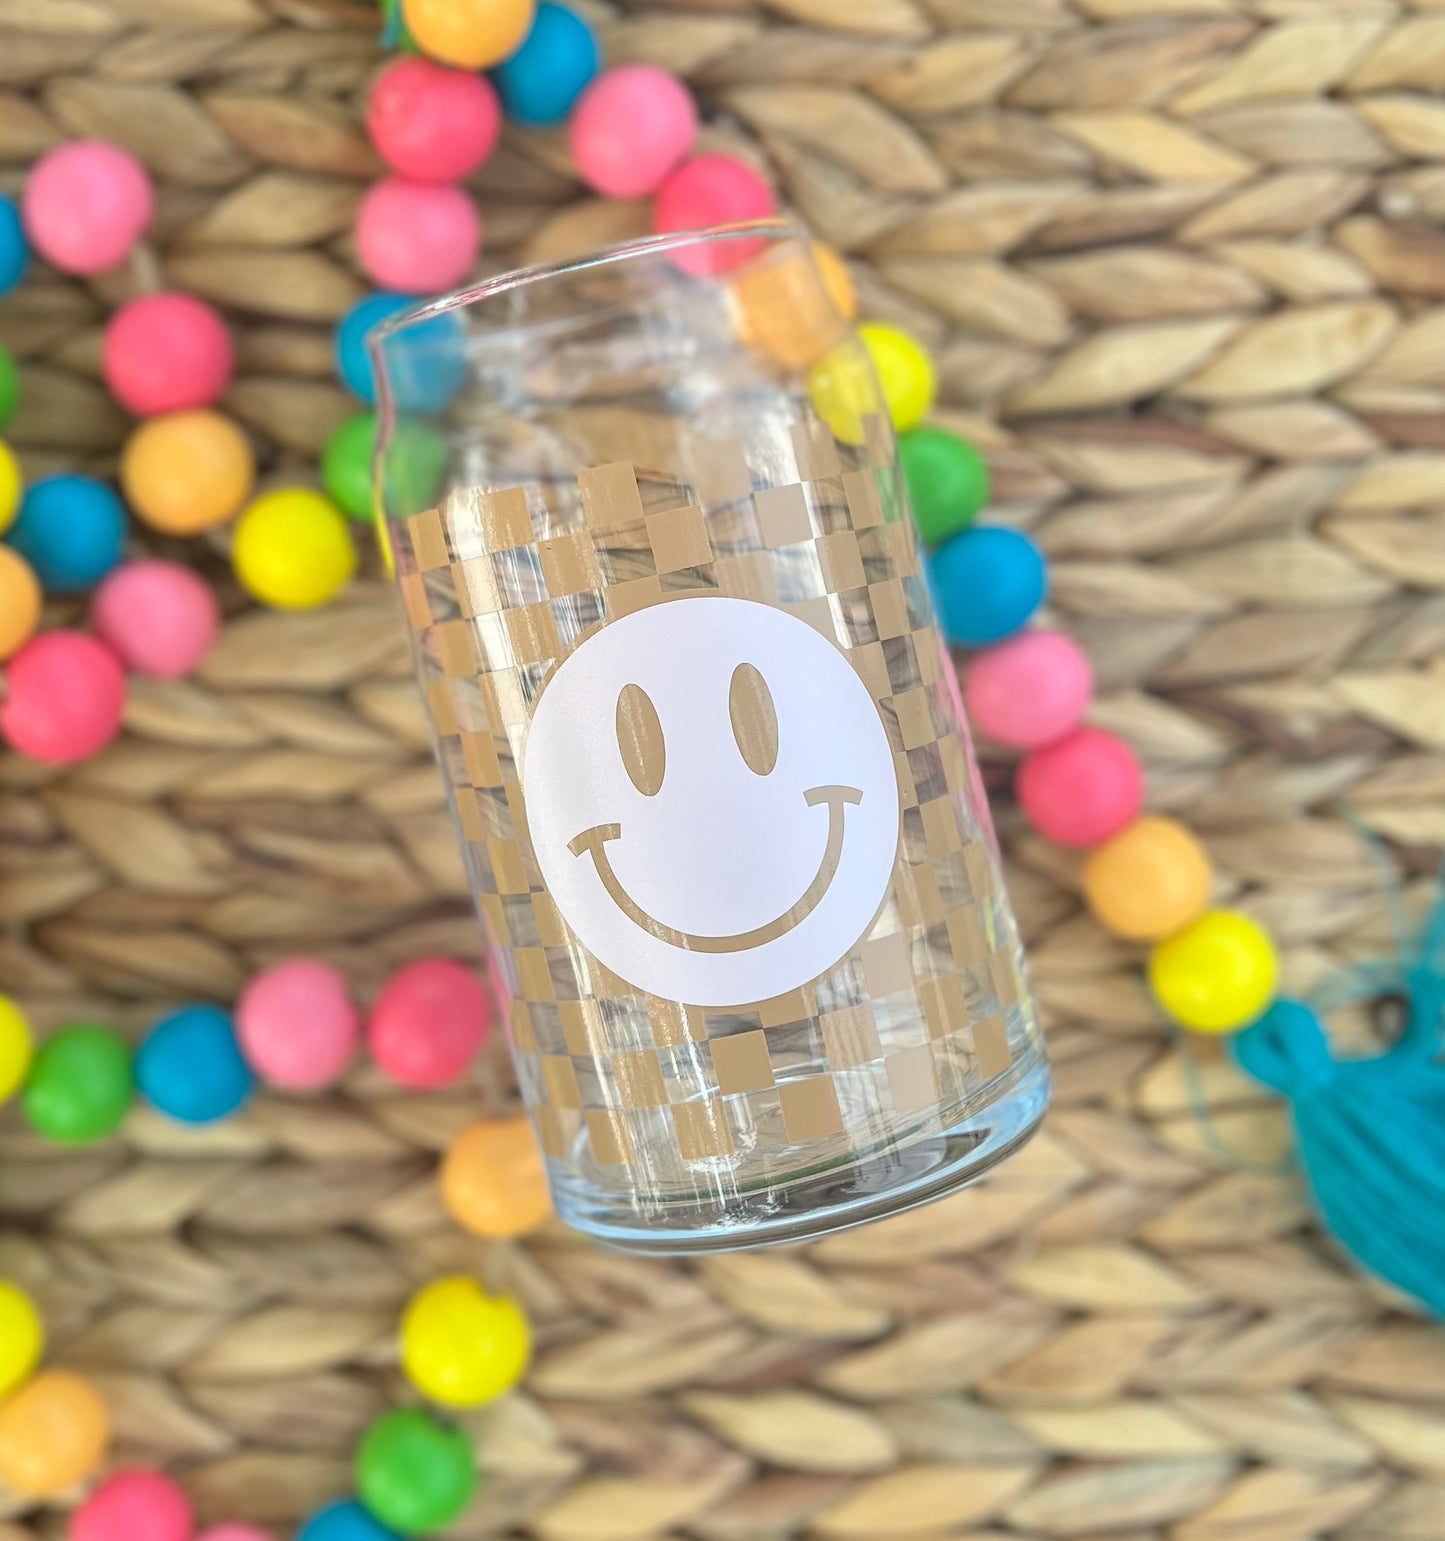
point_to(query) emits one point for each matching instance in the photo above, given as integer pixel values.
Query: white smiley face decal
(712, 800)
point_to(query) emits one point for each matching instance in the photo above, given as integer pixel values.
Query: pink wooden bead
(167, 353)
(713, 190)
(86, 204)
(418, 237)
(297, 1025)
(232, 1530)
(64, 696)
(134, 1505)
(1082, 789)
(431, 123)
(1030, 690)
(158, 617)
(429, 1021)
(630, 127)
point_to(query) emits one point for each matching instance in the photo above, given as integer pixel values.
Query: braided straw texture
(1182, 265)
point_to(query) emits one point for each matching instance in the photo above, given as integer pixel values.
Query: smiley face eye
(755, 719)
(639, 737)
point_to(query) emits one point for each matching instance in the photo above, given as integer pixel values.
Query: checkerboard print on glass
(923, 1010)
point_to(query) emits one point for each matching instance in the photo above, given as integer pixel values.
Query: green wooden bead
(80, 1085)
(415, 461)
(9, 387)
(947, 481)
(412, 468)
(415, 1473)
(346, 465)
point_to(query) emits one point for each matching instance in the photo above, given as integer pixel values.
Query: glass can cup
(703, 744)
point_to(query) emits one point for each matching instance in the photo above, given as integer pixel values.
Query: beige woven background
(1182, 265)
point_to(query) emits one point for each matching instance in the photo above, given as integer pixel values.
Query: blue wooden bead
(71, 530)
(353, 363)
(345, 1520)
(987, 582)
(190, 1067)
(14, 252)
(540, 82)
(426, 364)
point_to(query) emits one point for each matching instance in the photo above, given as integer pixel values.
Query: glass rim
(538, 272)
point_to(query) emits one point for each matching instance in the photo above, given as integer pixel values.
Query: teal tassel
(1371, 1132)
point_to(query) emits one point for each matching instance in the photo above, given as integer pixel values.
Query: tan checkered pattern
(499, 586)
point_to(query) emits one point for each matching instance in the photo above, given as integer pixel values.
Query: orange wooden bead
(470, 34)
(836, 280)
(187, 471)
(787, 312)
(1149, 881)
(493, 1181)
(19, 601)
(53, 1434)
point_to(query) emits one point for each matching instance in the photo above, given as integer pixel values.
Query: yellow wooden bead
(53, 1434)
(22, 1337)
(383, 538)
(16, 1049)
(1149, 881)
(461, 1346)
(11, 486)
(1216, 976)
(844, 392)
(293, 549)
(905, 372)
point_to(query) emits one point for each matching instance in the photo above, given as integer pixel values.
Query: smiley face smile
(595, 840)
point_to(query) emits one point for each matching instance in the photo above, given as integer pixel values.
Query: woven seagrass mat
(1182, 264)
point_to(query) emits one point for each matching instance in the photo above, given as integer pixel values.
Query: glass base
(837, 1198)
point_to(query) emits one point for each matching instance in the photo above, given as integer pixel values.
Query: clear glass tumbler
(703, 743)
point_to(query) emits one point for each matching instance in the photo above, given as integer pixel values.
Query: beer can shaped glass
(703, 744)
